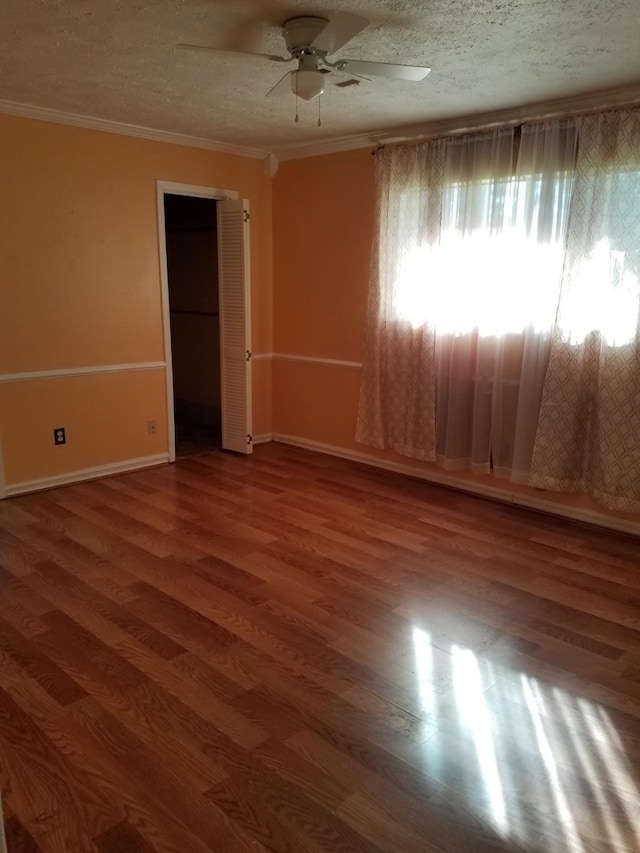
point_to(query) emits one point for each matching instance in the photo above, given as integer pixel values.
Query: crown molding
(621, 96)
(300, 150)
(627, 95)
(60, 117)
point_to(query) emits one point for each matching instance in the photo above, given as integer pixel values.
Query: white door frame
(169, 188)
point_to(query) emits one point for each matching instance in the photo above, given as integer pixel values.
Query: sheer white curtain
(465, 282)
(588, 437)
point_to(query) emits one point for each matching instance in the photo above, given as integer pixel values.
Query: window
(506, 273)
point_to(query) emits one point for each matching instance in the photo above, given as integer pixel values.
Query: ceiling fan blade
(270, 56)
(414, 73)
(340, 29)
(283, 86)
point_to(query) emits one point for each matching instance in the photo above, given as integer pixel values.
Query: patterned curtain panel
(588, 436)
(397, 394)
(464, 291)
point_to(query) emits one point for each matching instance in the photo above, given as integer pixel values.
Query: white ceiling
(117, 60)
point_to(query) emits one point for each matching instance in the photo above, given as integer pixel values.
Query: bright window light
(498, 264)
(605, 298)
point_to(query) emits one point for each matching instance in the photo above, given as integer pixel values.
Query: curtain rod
(620, 99)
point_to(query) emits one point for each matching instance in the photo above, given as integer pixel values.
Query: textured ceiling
(118, 60)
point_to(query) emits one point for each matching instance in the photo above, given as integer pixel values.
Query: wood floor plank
(123, 838)
(36, 664)
(18, 838)
(39, 786)
(165, 780)
(290, 652)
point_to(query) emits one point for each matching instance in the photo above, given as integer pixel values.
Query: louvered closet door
(235, 324)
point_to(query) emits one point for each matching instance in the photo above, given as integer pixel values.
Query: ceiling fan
(309, 41)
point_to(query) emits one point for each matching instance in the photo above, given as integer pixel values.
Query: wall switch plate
(152, 427)
(59, 436)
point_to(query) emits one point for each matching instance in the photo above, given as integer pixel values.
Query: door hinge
(249, 438)
(249, 355)
(247, 217)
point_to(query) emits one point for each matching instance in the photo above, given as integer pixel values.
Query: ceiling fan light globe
(307, 84)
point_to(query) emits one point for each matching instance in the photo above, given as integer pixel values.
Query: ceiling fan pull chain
(297, 118)
(319, 119)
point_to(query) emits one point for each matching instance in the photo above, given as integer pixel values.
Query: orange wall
(322, 232)
(81, 287)
(322, 227)
(105, 417)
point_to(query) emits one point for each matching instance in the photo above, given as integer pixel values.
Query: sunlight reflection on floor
(473, 712)
(533, 758)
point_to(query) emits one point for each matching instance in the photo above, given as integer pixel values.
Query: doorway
(191, 233)
(225, 369)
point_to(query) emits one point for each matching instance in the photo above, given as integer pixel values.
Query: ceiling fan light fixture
(307, 84)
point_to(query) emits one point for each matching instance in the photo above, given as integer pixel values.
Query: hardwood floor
(294, 653)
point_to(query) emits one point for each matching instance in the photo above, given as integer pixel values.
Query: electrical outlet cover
(59, 436)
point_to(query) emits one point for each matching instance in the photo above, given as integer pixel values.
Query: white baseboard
(86, 474)
(588, 516)
(263, 438)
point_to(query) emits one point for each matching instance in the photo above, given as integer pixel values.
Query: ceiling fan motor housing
(300, 33)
